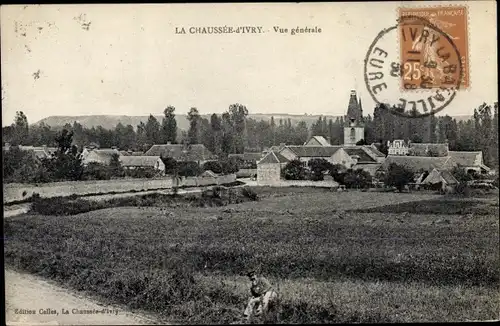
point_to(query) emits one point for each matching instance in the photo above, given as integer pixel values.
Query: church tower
(354, 129)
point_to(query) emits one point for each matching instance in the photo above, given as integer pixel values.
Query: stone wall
(18, 191)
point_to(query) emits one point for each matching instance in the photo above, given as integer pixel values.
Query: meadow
(333, 257)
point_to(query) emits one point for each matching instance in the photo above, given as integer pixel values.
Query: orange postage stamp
(429, 52)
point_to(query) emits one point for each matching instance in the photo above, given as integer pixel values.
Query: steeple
(354, 130)
(354, 110)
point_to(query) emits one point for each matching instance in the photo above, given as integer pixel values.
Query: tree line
(233, 132)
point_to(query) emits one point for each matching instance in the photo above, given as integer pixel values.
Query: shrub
(337, 172)
(318, 168)
(294, 170)
(189, 169)
(462, 189)
(398, 176)
(357, 179)
(96, 171)
(231, 165)
(171, 164)
(460, 174)
(249, 193)
(214, 166)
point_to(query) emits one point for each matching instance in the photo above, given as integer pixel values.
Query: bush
(318, 168)
(462, 189)
(61, 206)
(214, 166)
(460, 174)
(398, 176)
(294, 170)
(337, 172)
(189, 169)
(357, 179)
(249, 193)
(96, 171)
(171, 164)
(231, 165)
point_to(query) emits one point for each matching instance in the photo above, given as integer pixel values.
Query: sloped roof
(320, 139)
(436, 175)
(145, 161)
(370, 168)
(124, 153)
(448, 177)
(106, 151)
(465, 158)
(374, 150)
(103, 154)
(248, 156)
(418, 163)
(423, 149)
(194, 152)
(273, 157)
(314, 151)
(361, 152)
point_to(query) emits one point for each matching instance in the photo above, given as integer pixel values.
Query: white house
(332, 154)
(134, 162)
(470, 161)
(101, 156)
(398, 147)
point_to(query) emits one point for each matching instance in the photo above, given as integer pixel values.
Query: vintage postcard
(250, 163)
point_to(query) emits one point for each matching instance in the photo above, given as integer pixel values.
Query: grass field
(334, 257)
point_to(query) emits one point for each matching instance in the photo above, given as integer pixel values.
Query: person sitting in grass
(262, 293)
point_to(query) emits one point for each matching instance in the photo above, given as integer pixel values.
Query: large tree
(194, 126)
(153, 130)
(169, 125)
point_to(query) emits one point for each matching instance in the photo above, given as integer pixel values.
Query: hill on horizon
(110, 121)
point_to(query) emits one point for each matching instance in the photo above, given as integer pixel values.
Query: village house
(249, 159)
(269, 168)
(182, 153)
(100, 156)
(400, 147)
(470, 161)
(350, 155)
(439, 179)
(332, 154)
(39, 152)
(397, 147)
(148, 162)
(419, 164)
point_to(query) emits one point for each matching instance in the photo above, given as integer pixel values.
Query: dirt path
(28, 292)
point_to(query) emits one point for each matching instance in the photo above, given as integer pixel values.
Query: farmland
(334, 257)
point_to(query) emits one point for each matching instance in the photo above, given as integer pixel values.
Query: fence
(16, 191)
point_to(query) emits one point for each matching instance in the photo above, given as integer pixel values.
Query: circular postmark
(413, 68)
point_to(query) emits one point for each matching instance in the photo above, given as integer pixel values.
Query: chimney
(282, 145)
(329, 140)
(7, 146)
(169, 143)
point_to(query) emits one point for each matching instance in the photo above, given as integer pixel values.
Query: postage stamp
(428, 60)
(431, 65)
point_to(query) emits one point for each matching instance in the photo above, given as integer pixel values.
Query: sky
(127, 59)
